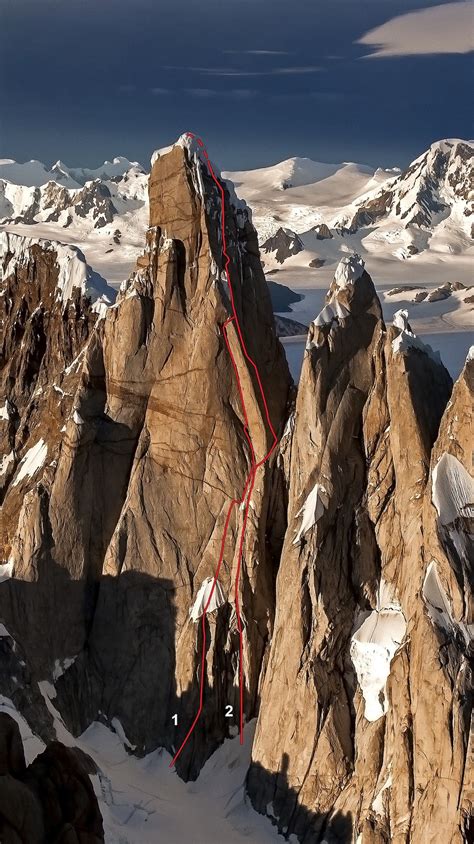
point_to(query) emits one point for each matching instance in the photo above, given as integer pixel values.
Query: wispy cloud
(282, 71)
(158, 92)
(126, 89)
(237, 72)
(448, 28)
(257, 52)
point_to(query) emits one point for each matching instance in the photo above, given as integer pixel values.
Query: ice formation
(373, 646)
(206, 592)
(312, 510)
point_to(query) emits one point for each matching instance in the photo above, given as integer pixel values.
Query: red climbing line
(249, 484)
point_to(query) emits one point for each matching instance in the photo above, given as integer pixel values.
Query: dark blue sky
(84, 80)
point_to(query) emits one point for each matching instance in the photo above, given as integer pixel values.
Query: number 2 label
(229, 711)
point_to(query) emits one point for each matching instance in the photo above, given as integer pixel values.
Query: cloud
(448, 28)
(257, 52)
(281, 71)
(236, 72)
(158, 92)
(126, 89)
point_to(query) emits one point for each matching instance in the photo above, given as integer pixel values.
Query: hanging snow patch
(378, 801)
(207, 598)
(408, 340)
(400, 320)
(312, 510)
(452, 490)
(32, 461)
(5, 462)
(6, 571)
(349, 270)
(334, 310)
(439, 606)
(373, 646)
(290, 425)
(6, 412)
(436, 600)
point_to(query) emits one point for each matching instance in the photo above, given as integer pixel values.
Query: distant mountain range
(307, 214)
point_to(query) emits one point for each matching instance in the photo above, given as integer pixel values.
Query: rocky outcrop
(49, 303)
(322, 232)
(51, 799)
(133, 512)
(344, 747)
(282, 245)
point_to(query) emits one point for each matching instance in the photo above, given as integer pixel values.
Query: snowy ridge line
(73, 269)
(250, 482)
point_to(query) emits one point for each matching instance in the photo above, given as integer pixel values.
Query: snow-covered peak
(31, 174)
(74, 271)
(36, 174)
(202, 165)
(114, 169)
(187, 141)
(349, 270)
(295, 173)
(437, 186)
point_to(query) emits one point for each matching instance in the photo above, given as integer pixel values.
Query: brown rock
(50, 800)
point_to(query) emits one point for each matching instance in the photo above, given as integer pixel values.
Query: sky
(374, 81)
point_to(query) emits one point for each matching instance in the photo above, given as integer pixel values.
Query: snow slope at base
(143, 801)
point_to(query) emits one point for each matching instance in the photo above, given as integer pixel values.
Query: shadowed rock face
(129, 522)
(51, 799)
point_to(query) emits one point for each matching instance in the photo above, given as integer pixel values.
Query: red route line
(249, 484)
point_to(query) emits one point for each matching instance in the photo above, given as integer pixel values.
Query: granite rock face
(115, 540)
(364, 719)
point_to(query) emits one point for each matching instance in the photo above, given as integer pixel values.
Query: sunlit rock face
(349, 705)
(123, 517)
